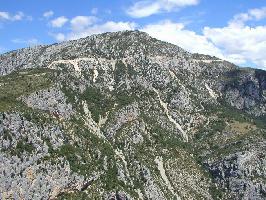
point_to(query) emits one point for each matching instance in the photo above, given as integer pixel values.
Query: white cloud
(109, 26)
(146, 8)
(7, 16)
(59, 22)
(4, 15)
(252, 14)
(2, 49)
(258, 13)
(238, 44)
(83, 26)
(29, 18)
(59, 36)
(28, 42)
(18, 16)
(48, 14)
(94, 11)
(80, 23)
(176, 33)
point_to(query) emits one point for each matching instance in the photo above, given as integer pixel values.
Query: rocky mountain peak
(126, 116)
(116, 45)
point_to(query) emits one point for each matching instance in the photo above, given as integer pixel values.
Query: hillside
(125, 116)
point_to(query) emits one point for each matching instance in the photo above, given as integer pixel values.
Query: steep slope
(125, 116)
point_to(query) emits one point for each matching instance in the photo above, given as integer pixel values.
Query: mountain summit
(126, 116)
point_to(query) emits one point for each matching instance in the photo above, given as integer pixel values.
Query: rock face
(125, 116)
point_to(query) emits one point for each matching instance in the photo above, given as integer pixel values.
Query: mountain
(126, 116)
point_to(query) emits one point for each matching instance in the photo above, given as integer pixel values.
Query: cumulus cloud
(48, 14)
(240, 44)
(18, 16)
(252, 14)
(109, 26)
(94, 11)
(177, 34)
(83, 26)
(146, 8)
(9, 17)
(258, 13)
(80, 23)
(59, 22)
(58, 36)
(4, 15)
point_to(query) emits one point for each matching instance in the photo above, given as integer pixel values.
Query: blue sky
(234, 30)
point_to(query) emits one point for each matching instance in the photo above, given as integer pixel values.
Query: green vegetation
(110, 178)
(162, 137)
(25, 82)
(217, 126)
(229, 113)
(23, 145)
(82, 155)
(36, 116)
(98, 103)
(7, 135)
(124, 98)
(22, 83)
(233, 78)
(120, 71)
(229, 131)
(87, 153)
(260, 122)
(70, 94)
(217, 193)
